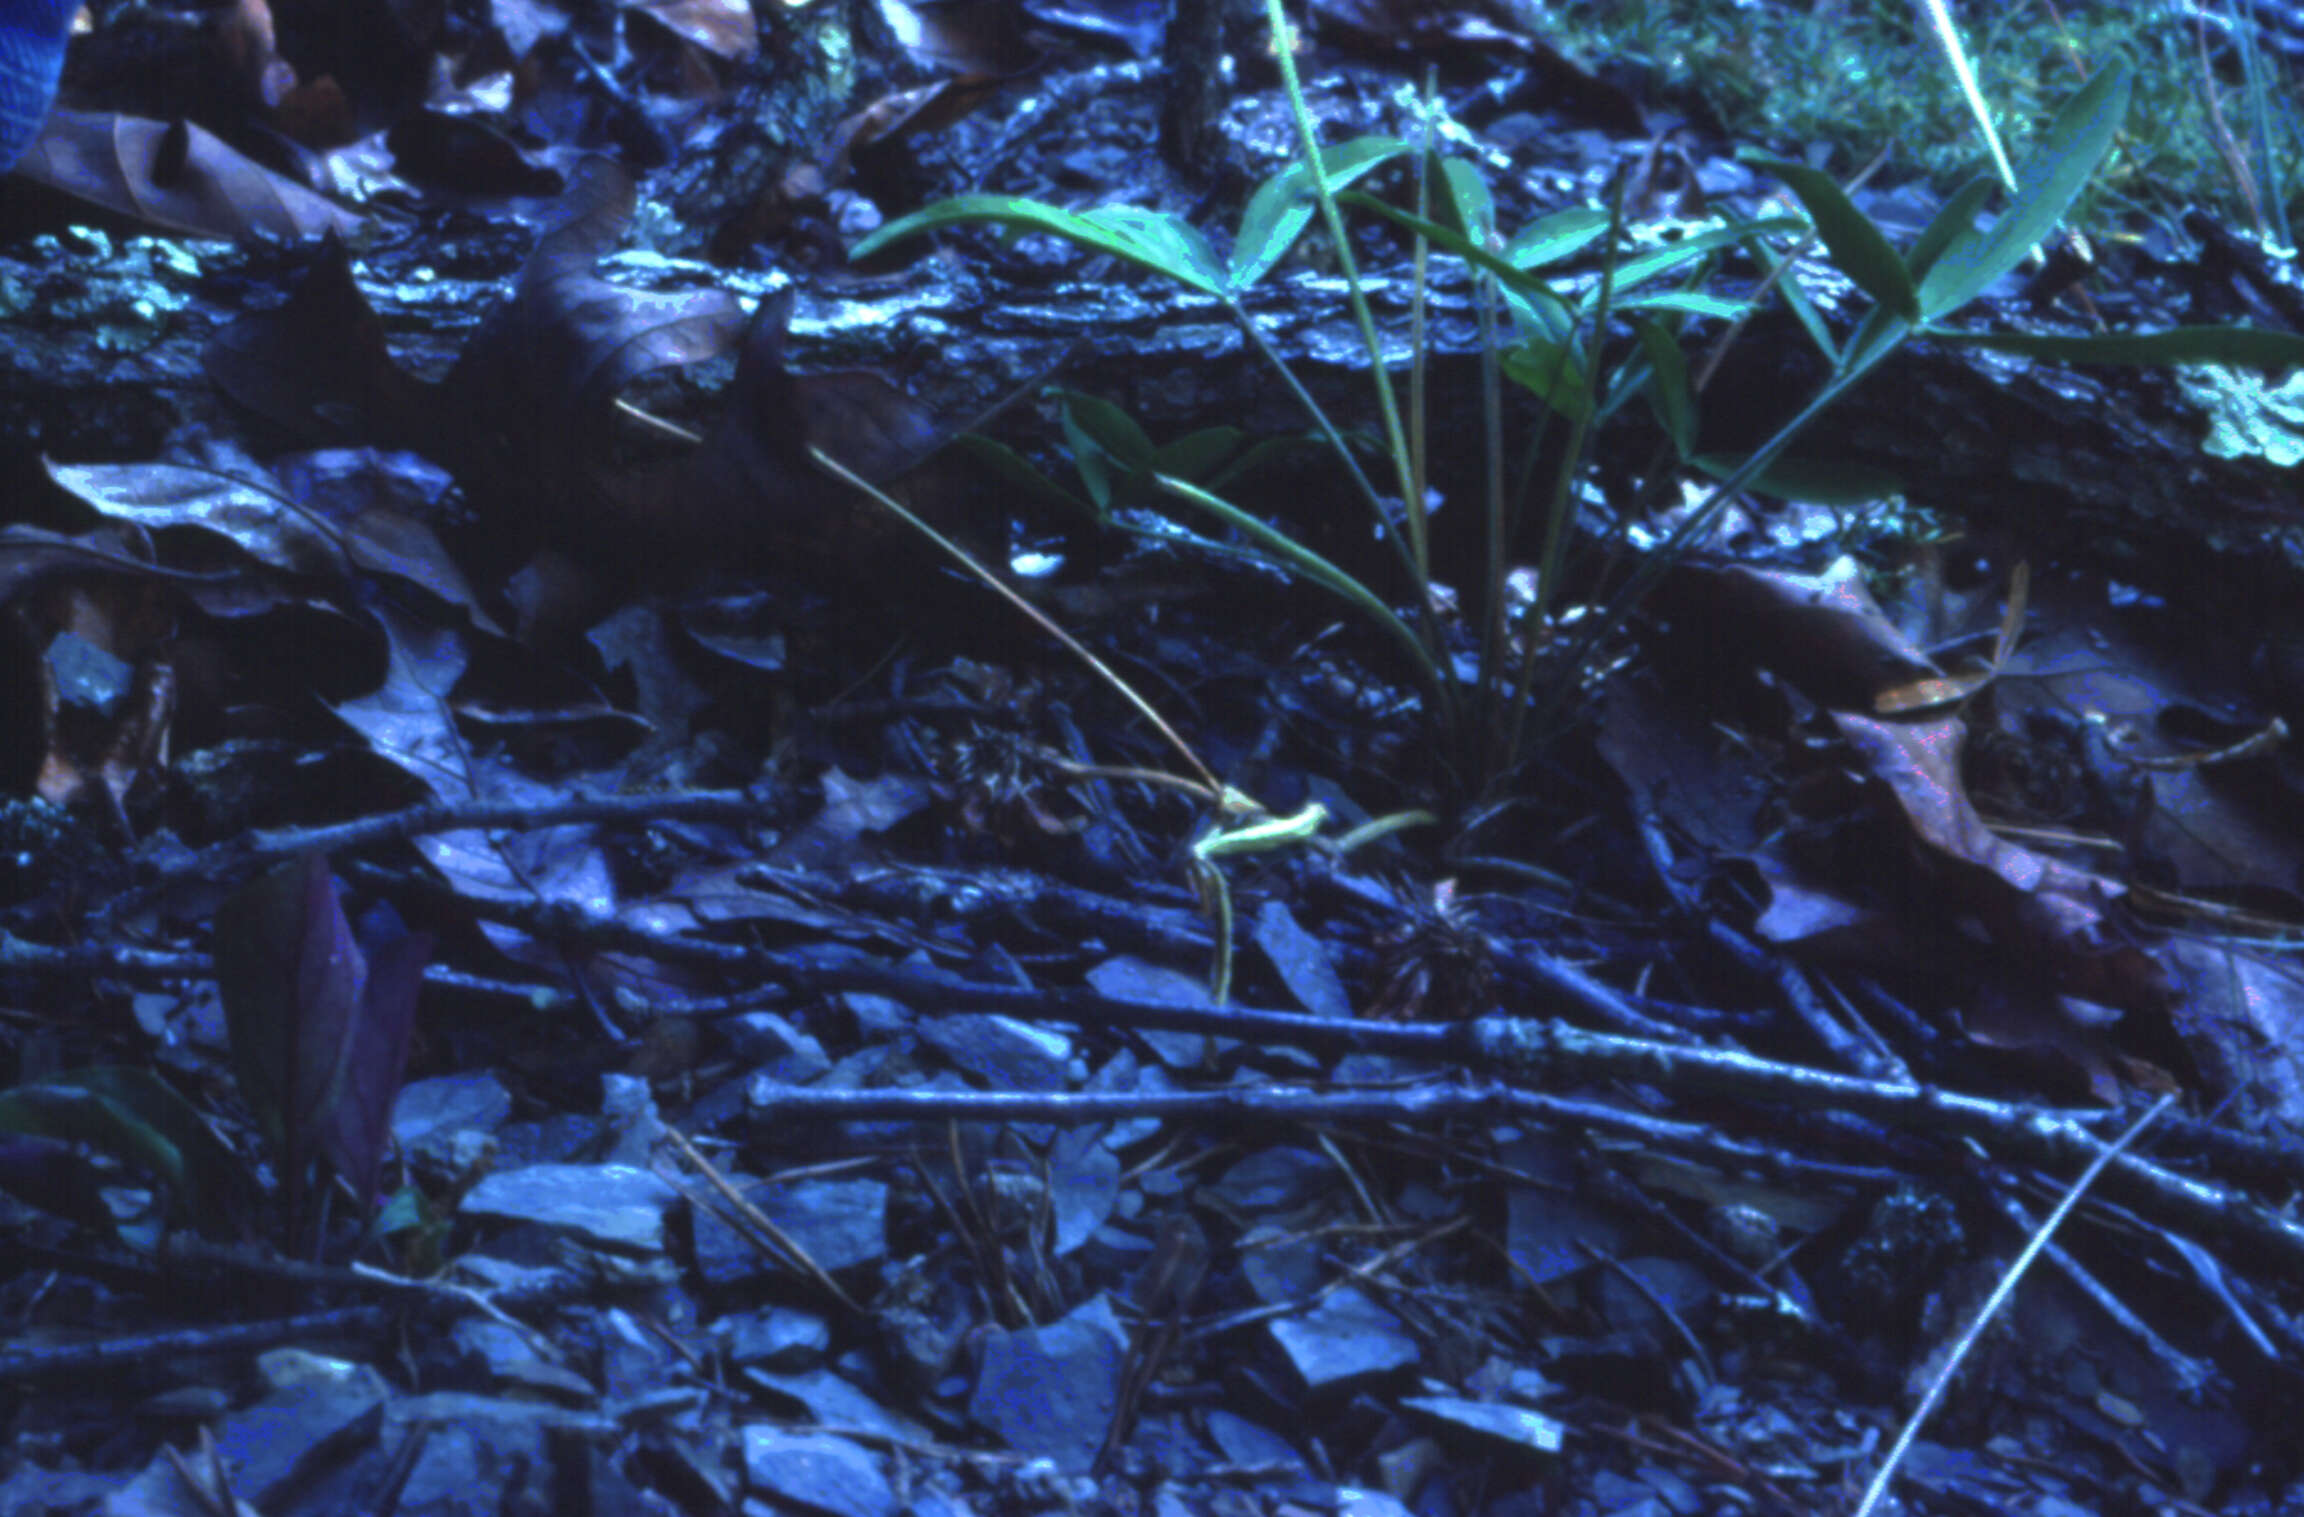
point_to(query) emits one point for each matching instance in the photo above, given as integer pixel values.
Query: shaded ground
(800, 965)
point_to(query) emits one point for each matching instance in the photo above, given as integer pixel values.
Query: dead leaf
(175, 179)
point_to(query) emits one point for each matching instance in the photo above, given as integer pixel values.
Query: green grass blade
(1293, 555)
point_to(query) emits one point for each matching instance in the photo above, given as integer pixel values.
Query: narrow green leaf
(1259, 455)
(1283, 205)
(1856, 244)
(1165, 242)
(1197, 455)
(1445, 238)
(1687, 302)
(1097, 474)
(1554, 373)
(2068, 156)
(1468, 192)
(1293, 555)
(1125, 240)
(1276, 216)
(1110, 428)
(1540, 313)
(1874, 339)
(1654, 264)
(1347, 161)
(1668, 392)
(1017, 470)
(136, 1117)
(1562, 234)
(1803, 309)
(1953, 221)
(61, 1111)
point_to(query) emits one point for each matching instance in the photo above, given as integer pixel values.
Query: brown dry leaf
(107, 693)
(1927, 694)
(2045, 911)
(1824, 632)
(723, 28)
(255, 515)
(751, 483)
(2241, 1016)
(318, 364)
(529, 403)
(176, 179)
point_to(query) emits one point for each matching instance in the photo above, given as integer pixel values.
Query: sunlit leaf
(1468, 193)
(1689, 302)
(1122, 237)
(1655, 264)
(1560, 235)
(1282, 206)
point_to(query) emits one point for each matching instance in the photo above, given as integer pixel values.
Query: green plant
(1585, 348)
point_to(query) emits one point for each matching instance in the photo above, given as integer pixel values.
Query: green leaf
(1293, 555)
(1019, 471)
(1197, 455)
(1874, 339)
(2069, 154)
(1348, 161)
(1858, 248)
(1632, 271)
(1554, 373)
(1168, 243)
(1448, 240)
(1668, 392)
(62, 1111)
(1261, 454)
(1276, 216)
(1954, 220)
(1282, 206)
(1803, 309)
(1468, 193)
(1560, 235)
(1540, 313)
(1180, 253)
(1656, 263)
(1687, 302)
(1102, 474)
(1110, 429)
(2233, 347)
(136, 1117)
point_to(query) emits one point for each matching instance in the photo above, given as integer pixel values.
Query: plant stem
(1395, 439)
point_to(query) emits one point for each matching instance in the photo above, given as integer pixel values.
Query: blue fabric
(31, 56)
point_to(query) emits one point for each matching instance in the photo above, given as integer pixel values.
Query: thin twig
(2001, 1295)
